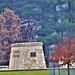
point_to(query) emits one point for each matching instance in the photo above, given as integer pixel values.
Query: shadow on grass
(62, 71)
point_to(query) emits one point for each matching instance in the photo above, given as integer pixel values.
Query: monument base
(27, 56)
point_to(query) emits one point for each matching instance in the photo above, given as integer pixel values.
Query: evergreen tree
(50, 17)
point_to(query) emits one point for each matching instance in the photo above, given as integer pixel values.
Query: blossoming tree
(9, 33)
(65, 52)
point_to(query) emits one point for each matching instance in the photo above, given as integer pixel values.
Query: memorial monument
(27, 54)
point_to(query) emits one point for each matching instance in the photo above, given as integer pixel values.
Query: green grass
(63, 72)
(39, 72)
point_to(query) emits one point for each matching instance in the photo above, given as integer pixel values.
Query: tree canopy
(65, 53)
(9, 33)
(49, 17)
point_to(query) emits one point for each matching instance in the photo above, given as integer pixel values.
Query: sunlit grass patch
(35, 72)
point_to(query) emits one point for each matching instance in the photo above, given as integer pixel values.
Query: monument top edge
(27, 44)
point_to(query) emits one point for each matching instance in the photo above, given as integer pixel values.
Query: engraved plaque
(16, 53)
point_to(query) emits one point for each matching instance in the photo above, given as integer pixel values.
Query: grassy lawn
(62, 72)
(40, 72)
(37, 72)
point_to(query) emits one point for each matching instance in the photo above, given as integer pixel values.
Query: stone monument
(27, 56)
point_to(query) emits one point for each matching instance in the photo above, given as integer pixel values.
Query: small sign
(16, 53)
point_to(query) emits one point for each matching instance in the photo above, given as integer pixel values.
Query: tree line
(54, 20)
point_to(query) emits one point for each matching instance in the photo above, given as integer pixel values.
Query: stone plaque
(16, 53)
